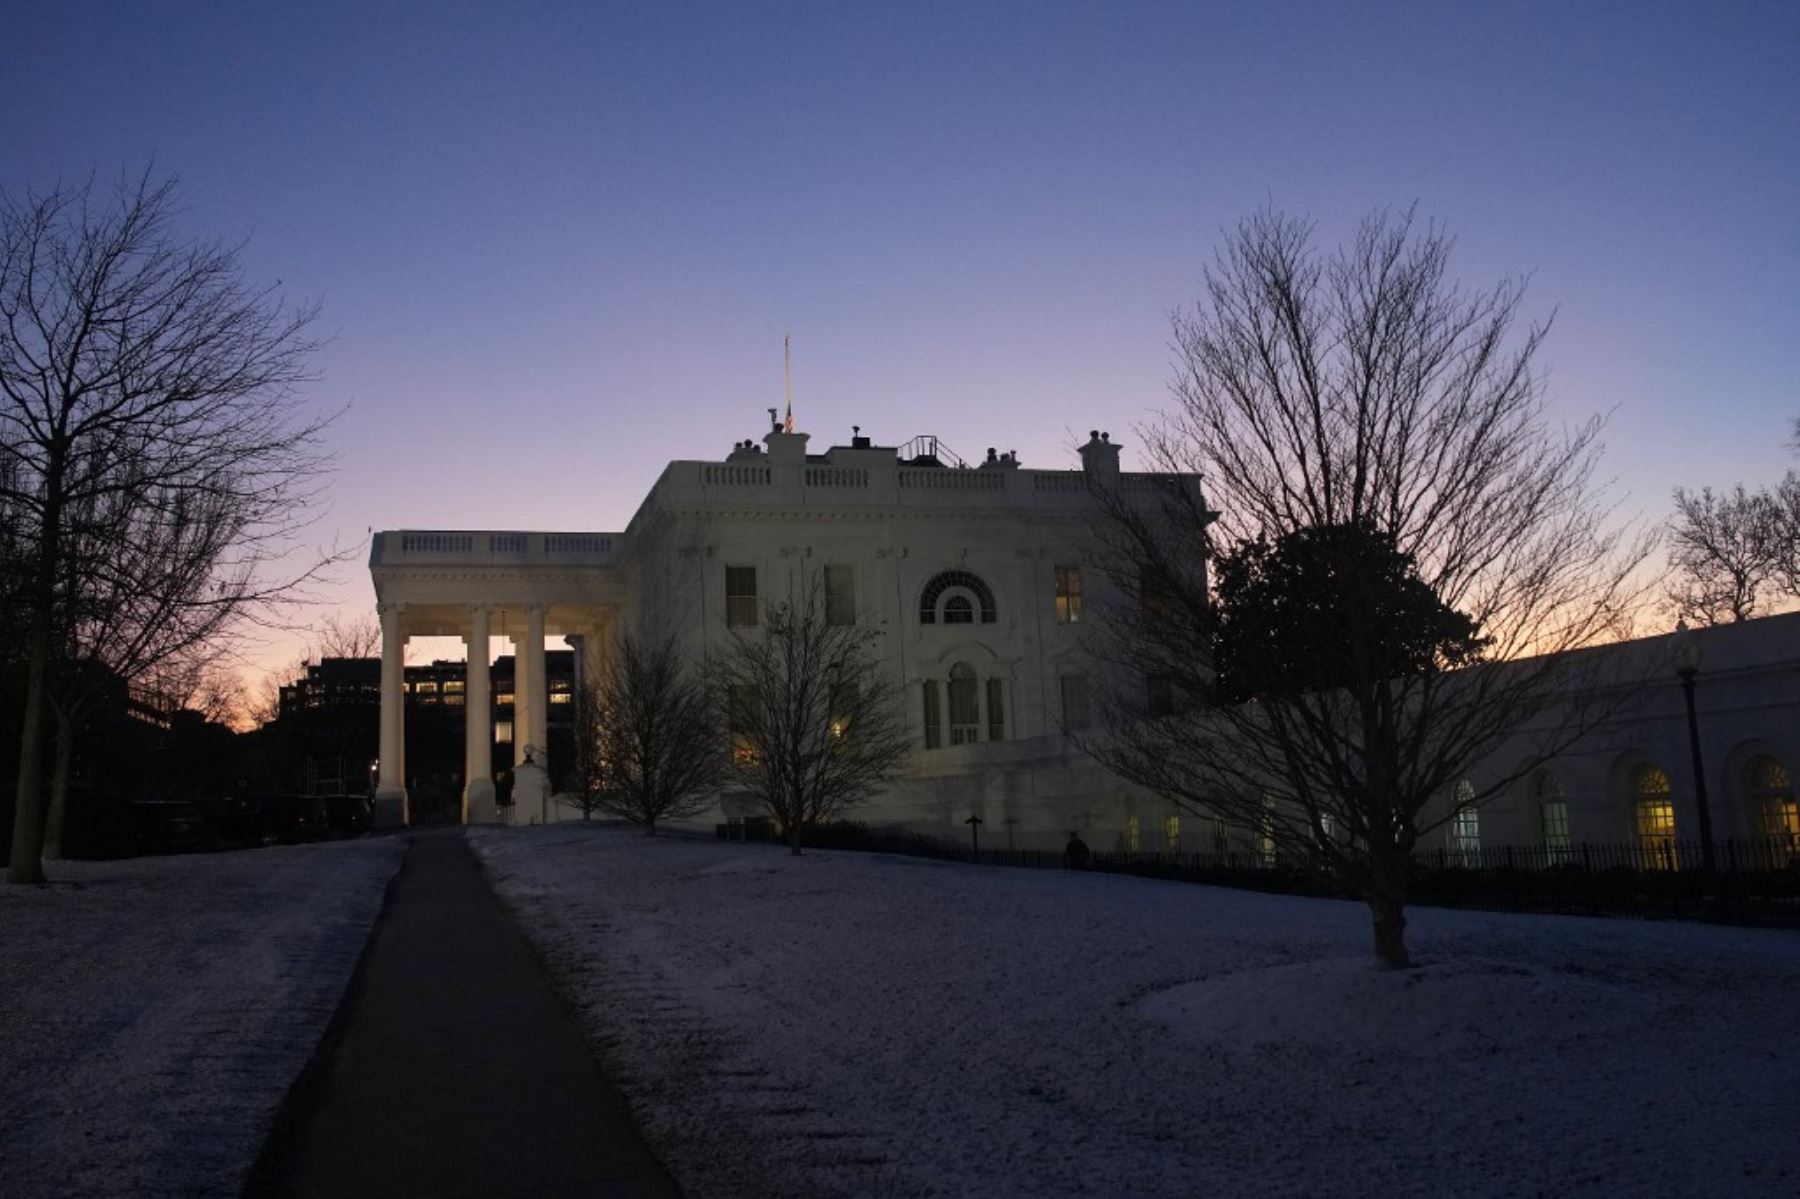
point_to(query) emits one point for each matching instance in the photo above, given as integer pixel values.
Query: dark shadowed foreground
(153, 1012)
(844, 1023)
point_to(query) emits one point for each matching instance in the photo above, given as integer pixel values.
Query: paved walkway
(456, 1069)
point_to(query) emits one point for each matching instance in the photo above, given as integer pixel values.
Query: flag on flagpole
(787, 362)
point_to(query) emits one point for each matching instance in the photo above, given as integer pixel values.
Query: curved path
(454, 1068)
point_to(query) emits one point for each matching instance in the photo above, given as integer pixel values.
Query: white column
(539, 701)
(390, 786)
(478, 754)
(521, 694)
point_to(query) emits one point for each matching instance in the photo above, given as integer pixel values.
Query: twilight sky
(558, 244)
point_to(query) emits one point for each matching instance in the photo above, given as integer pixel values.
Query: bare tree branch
(151, 442)
(1358, 389)
(815, 721)
(650, 745)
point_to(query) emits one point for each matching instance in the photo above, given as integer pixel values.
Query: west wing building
(985, 582)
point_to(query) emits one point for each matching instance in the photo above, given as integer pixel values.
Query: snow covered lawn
(854, 1024)
(153, 1012)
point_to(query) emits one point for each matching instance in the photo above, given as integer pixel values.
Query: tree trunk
(62, 766)
(794, 838)
(1389, 915)
(27, 864)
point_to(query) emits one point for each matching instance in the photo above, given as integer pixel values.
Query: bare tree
(149, 437)
(649, 739)
(1725, 551)
(356, 637)
(815, 722)
(1361, 391)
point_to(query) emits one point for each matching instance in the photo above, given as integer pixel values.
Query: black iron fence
(1750, 883)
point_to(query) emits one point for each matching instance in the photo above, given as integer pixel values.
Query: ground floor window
(1653, 819)
(965, 713)
(1465, 827)
(1553, 819)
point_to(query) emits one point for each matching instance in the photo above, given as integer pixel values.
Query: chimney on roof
(1100, 456)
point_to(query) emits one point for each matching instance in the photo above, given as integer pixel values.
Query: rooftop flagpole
(787, 363)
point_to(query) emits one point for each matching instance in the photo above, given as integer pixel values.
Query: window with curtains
(965, 708)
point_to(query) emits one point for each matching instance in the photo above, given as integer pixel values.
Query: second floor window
(1068, 595)
(740, 596)
(840, 595)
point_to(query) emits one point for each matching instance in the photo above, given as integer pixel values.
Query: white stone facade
(1014, 551)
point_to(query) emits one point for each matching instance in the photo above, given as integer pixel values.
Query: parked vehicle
(164, 826)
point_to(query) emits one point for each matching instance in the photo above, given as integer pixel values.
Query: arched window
(965, 711)
(1653, 818)
(1769, 791)
(1553, 818)
(980, 595)
(1465, 826)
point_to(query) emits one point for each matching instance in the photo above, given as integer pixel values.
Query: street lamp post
(974, 823)
(1687, 666)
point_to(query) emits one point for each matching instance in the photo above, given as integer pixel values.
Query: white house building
(984, 580)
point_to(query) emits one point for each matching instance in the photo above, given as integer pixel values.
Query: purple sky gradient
(559, 244)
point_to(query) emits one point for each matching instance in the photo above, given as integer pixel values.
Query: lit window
(1172, 832)
(958, 610)
(1465, 827)
(843, 702)
(1771, 796)
(741, 705)
(1266, 841)
(454, 701)
(503, 730)
(996, 712)
(740, 596)
(1653, 812)
(840, 595)
(965, 714)
(453, 687)
(933, 718)
(1553, 819)
(1068, 595)
(504, 697)
(561, 697)
(1074, 702)
(1131, 834)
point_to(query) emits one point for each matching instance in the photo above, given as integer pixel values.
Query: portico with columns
(476, 586)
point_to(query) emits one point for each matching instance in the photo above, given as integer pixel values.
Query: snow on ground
(153, 1012)
(845, 1023)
